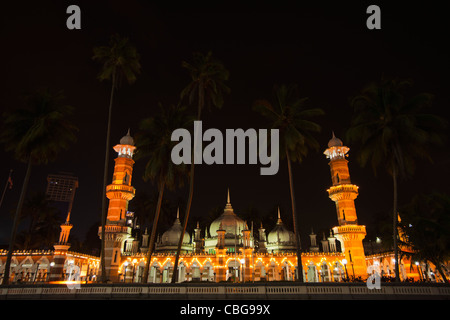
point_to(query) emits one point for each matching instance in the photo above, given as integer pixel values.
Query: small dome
(172, 236)
(280, 234)
(335, 142)
(227, 221)
(128, 140)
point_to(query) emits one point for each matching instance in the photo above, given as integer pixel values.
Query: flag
(10, 182)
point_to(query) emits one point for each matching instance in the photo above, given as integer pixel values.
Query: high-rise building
(61, 189)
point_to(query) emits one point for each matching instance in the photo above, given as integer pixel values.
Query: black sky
(325, 48)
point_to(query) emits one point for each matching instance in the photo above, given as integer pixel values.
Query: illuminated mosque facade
(229, 251)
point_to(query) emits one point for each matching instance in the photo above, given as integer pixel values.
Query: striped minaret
(60, 253)
(343, 192)
(119, 193)
(221, 254)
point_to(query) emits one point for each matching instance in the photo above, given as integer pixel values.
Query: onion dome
(335, 142)
(172, 236)
(280, 234)
(228, 221)
(127, 140)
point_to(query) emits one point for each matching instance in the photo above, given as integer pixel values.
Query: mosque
(229, 251)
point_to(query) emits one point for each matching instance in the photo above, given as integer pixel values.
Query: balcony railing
(229, 291)
(120, 187)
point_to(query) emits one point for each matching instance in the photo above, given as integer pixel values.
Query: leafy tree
(207, 86)
(154, 143)
(44, 223)
(287, 112)
(426, 223)
(393, 130)
(35, 134)
(120, 60)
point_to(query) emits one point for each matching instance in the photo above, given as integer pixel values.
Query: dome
(227, 221)
(172, 236)
(280, 234)
(128, 139)
(335, 142)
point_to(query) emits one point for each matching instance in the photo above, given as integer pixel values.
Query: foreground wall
(280, 290)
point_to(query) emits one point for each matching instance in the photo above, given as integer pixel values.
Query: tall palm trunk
(395, 219)
(441, 272)
(186, 217)
(299, 277)
(191, 191)
(16, 223)
(105, 179)
(153, 234)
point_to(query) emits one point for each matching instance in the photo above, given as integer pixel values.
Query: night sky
(324, 48)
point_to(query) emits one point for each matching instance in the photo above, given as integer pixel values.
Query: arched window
(311, 273)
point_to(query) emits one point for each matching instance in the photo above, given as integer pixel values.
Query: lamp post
(351, 261)
(36, 272)
(52, 264)
(243, 269)
(125, 272)
(419, 270)
(344, 262)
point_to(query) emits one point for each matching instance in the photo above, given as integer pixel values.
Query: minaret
(344, 193)
(221, 255)
(60, 253)
(262, 240)
(119, 193)
(314, 247)
(332, 242)
(247, 254)
(197, 239)
(325, 245)
(144, 246)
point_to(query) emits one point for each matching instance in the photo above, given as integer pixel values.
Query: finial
(279, 217)
(68, 218)
(128, 133)
(334, 141)
(228, 196)
(178, 213)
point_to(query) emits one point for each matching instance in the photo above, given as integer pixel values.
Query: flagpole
(6, 186)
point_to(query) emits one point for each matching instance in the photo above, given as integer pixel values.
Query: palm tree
(119, 60)
(288, 114)
(41, 216)
(426, 223)
(207, 86)
(154, 143)
(35, 134)
(393, 131)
